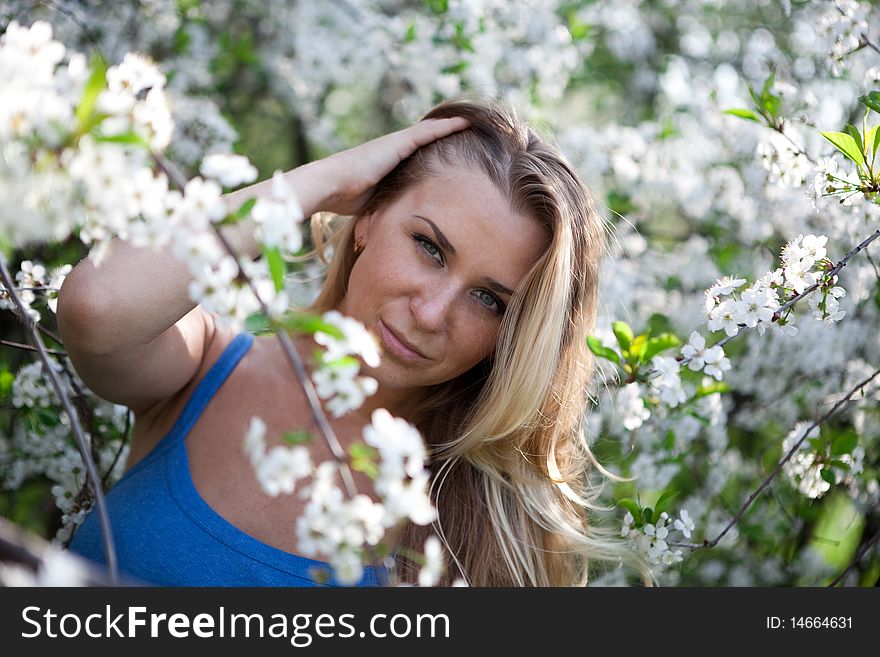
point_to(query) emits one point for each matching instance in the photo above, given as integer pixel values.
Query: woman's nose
(432, 306)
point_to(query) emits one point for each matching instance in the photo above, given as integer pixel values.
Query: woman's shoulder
(154, 423)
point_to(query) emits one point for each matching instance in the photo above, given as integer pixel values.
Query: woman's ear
(362, 229)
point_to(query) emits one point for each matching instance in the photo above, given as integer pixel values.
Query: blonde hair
(510, 459)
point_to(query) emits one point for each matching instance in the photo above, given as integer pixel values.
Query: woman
(473, 256)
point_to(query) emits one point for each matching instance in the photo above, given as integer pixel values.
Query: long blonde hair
(511, 464)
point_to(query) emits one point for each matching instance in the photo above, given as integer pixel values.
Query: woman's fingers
(426, 131)
(354, 172)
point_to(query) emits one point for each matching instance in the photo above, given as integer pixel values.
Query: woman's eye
(491, 302)
(429, 247)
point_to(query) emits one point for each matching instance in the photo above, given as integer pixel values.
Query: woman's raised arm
(129, 326)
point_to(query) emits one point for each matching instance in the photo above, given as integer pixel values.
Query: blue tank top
(166, 534)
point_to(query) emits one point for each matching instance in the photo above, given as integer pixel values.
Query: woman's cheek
(476, 344)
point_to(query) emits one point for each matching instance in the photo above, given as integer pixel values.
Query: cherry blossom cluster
(42, 446)
(338, 380)
(651, 538)
(343, 528)
(91, 135)
(814, 468)
(843, 24)
(32, 278)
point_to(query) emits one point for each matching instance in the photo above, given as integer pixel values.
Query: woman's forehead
(456, 191)
(476, 218)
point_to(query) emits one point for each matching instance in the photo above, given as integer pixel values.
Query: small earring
(358, 246)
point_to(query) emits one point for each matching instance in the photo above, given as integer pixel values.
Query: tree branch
(91, 472)
(861, 553)
(786, 459)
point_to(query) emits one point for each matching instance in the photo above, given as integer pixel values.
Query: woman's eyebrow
(498, 287)
(446, 244)
(441, 238)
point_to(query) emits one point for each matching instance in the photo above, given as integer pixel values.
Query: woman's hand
(347, 178)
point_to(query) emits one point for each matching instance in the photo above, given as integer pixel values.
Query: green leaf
(578, 29)
(712, 388)
(747, 114)
(243, 211)
(846, 145)
(47, 416)
(410, 35)
(96, 83)
(759, 102)
(828, 476)
(667, 131)
(257, 324)
(853, 132)
(659, 344)
(363, 459)
(363, 451)
(638, 347)
(437, 6)
(623, 333)
(694, 414)
(631, 506)
(619, 203)
(843, 465)
(6, 379)
(457, 68)
(871, 101)
(601, 350)
(873, 138)
(300, 437)
(844, 443)
(659, 323)
(768, 85)
(310, 324)
(663, 502)
(276, 266)
(124, 138)
(342, 361)
(772, 103)
(6, 247)
(647, 515)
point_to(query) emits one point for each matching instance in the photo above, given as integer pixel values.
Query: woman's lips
(396, 346)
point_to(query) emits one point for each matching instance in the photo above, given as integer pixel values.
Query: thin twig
(788, 304)
(748, 503)
(42, 329)
(800, 151)
(865, 41)
(17, 310)
(292, 355)
(42, 288)
(80, 24)
(873, 264)
(27, 347)
(864, 549)
(122, 443)
(91, 471)
(82, 497)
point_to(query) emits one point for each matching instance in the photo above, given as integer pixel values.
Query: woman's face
(437, 270)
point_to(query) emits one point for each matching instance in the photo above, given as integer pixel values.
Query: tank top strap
(211, 382)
